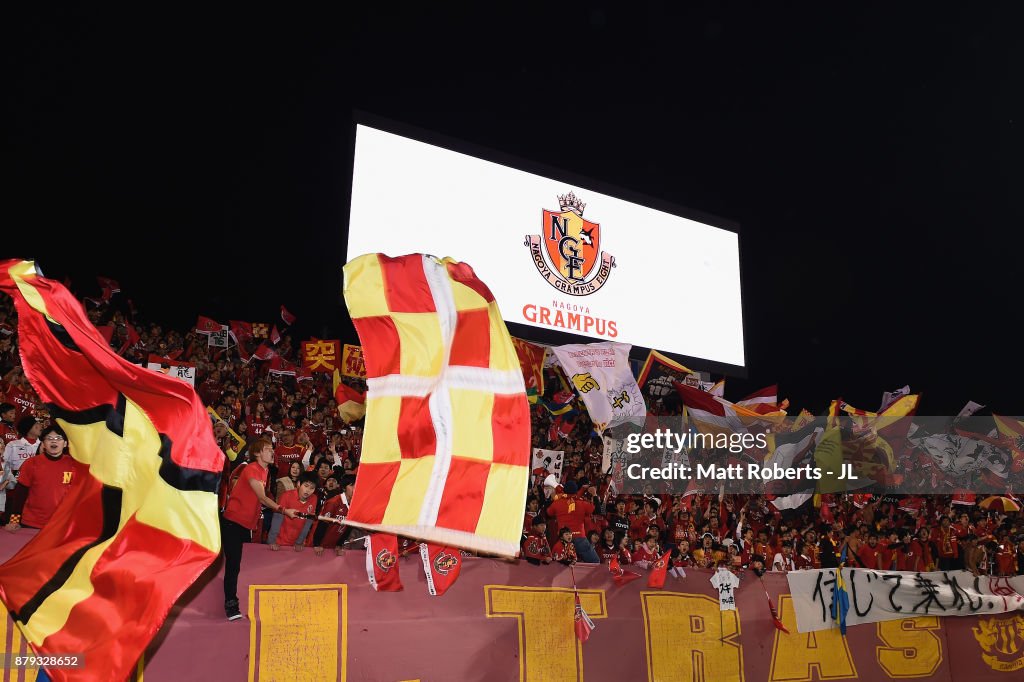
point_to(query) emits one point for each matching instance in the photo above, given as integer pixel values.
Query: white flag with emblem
(600, 373)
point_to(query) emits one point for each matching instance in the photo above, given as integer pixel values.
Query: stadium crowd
(312, 457)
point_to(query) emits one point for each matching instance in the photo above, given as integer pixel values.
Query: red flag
(126, 541)
(442, 566)
(132, 338)
(275, 336)
(264, 352)
(771, 609)
(205, 325)
(241, 332)
(619, 575)
(659, 571)
(288, 318)
(279, 365)
(584, 626)
(108, 284)
(382, 562)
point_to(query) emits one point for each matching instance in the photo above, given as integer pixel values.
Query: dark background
(872, 157)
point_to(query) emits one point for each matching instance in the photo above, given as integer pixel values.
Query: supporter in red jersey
(287, 451)
(8, 432)
(1006, 558)
(647, 552)
(638, 528)
(46, 477)
(303, 500)
(607, 547)
(802, 560)
(564, 550)
(571, 513)
(535, 547)
(338, 496)
(532, 510)
(919, 555)
(947, 545)
(241, 515)
(870, 553)
(890, 552)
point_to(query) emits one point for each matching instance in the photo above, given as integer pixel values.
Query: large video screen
(557, 256)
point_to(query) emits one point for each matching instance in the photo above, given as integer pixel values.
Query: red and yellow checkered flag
(446, 448)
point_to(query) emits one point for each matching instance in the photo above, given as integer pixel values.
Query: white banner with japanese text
(871, 596)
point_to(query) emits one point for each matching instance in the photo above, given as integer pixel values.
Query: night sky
(872, 158)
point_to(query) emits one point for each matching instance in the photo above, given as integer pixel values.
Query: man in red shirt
(241, 515)
(945, 539)
(572, 513)
(46, 477)
(287, 451)
(870, 553)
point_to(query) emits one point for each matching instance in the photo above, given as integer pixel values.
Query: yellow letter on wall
(284, 647)
(548, 648)
(795, 656)
(684, 634)
(911, 648)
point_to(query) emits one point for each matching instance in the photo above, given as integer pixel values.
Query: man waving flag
(139, 524)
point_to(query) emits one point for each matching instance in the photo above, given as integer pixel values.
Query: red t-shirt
(7, 433)
(334, 507)
(290, 528)
(48, 481)
(571, 513)
(284, 455)
(243, 506)
(869, 555)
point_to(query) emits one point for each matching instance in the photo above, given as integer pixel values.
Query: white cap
(551, 481)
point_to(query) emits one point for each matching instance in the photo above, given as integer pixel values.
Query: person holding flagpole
(241, 516)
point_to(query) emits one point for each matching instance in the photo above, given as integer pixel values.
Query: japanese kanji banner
(446, 450)
(179, 369)
(218, 339)
(352, 364)
(876, 596)
(321, 355)
(601, 374)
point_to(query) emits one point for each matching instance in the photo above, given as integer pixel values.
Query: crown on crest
(570, 202)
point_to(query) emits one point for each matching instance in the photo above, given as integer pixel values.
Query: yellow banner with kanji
(352, 364)
(321, 355)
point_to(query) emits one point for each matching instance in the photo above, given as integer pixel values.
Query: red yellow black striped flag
(139, 524)
(446, 449)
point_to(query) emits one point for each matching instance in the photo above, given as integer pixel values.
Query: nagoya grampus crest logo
(445, 562)
(567, 252)
(1002, 642)
(386, 559)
